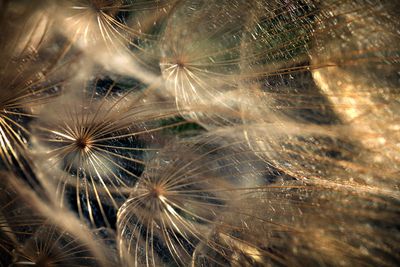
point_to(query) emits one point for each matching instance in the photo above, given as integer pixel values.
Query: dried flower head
(28, 76)
(179, 199)
(199, 133)
(17, 219)
(95, 141)
(36, 232)
(124, 32)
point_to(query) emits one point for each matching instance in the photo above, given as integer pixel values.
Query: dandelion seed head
(95, 142)
(27, 79)
(205, 132)
(43, 234)
(88, 20)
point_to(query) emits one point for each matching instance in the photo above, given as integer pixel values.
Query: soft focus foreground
(199, 133)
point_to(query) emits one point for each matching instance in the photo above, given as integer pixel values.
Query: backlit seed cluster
(199, 133)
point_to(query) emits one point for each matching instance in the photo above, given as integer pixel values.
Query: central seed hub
(44, 261)
(82, 143)
(157, 191)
